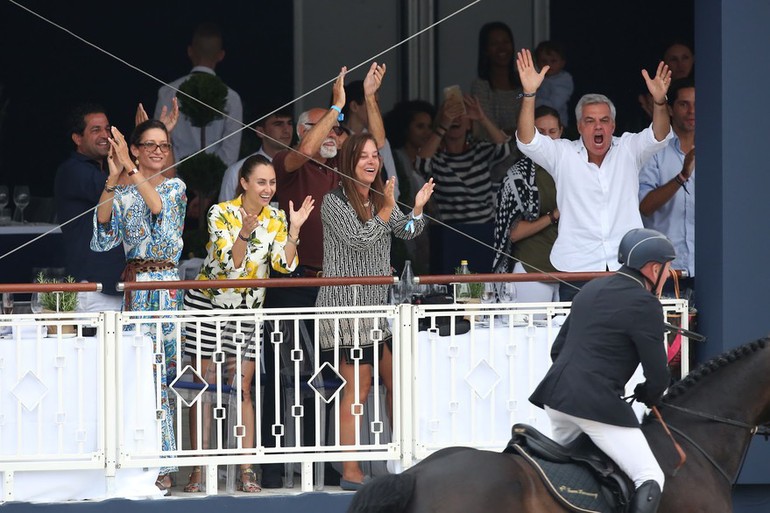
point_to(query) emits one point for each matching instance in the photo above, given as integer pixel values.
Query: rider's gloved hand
(641, 395)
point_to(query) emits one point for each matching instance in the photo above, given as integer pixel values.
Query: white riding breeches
(627, 446)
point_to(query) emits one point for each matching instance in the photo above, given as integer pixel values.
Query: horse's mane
(712, 365)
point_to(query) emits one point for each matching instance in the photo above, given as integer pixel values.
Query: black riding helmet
(642, 245)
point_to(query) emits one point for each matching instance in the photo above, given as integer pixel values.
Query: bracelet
(289, 240)
(133, 172)
(552, 218)
(525, 95)
(681, 181)
(244, 239)
(340, 115)
(665, 101)
(438, 132)
(109, 188)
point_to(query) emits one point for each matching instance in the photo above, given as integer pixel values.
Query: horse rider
(616, 322)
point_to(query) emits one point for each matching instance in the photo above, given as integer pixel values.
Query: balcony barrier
(77, 391)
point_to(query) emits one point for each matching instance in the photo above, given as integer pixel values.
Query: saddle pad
(571, 484)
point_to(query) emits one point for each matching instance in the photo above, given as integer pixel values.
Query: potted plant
(475, 289)
(57, 302)
(202, 173)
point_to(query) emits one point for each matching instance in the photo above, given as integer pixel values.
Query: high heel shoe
(164, 483)
(249, 481)
(353, 486)
(194, 485)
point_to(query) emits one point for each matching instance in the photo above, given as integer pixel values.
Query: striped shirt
(463, 190)
(353, 248)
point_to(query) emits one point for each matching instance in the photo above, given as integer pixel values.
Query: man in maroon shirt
(310, 169)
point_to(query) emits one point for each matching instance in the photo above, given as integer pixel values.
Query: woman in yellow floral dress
(247, 237)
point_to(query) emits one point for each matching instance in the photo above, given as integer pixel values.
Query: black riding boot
(646, 498)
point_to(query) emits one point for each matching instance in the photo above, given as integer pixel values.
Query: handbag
(443, 322)
(674, 354)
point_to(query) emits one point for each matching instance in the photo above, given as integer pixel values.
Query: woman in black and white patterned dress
(358, 224)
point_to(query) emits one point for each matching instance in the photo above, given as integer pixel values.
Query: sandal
(194, 485)
(164, 483)
(249, 481)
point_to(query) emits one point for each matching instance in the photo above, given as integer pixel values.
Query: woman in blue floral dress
(145, 211)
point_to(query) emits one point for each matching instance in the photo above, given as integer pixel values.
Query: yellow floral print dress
(265, 249)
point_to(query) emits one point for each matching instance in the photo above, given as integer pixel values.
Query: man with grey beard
(311, 169)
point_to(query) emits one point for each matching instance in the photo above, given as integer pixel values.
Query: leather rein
(754, 429)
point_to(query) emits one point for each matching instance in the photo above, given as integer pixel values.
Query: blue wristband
(410, 224)
(341, 116)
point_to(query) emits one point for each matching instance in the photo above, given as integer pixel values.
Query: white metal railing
(89, 401)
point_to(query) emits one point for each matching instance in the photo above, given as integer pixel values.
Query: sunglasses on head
(337, 129)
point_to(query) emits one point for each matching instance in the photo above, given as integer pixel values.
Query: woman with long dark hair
(497, 85)
(247, 238)
(359, 219)
(143, 210)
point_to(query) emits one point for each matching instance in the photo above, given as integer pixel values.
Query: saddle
(578, 475)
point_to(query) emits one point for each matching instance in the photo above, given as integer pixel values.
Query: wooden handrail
(428, 279)
(51, 287)
(432, 279)
(265, 282)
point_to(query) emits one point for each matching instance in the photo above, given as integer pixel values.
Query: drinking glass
(7, 331)
(394, 294)
(34, 303)
(7, 303)
(488, 296)
(507, 292)
(21, 199)
(4, 197)
(437, 289)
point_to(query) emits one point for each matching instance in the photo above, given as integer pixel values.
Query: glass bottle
(406, 283)
(463, 290)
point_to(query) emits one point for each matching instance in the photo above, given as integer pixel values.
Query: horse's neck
(738, 391)
(718, 447)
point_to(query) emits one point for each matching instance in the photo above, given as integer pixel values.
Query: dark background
(45, 71)
(608, 43)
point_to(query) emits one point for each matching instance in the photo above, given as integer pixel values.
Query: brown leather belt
(136, 266)
(311, 272)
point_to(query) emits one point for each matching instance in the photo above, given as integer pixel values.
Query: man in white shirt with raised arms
(597, 176)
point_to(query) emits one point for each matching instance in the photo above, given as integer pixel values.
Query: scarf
(518, 198)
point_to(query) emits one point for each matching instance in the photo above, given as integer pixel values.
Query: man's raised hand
(530, 78)
(658, 86)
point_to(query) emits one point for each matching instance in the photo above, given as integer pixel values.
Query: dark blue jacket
(78, 185)
(615, 324)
